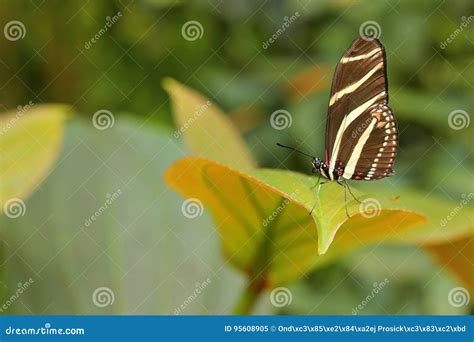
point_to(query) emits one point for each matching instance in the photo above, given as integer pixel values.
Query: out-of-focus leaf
(142, 229)
(246, 118)
(207, 132)
(262, 217)
(447, 220)
(30, 140)
(458, 257)
(307, 82)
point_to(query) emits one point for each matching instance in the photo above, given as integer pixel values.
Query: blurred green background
(142, 248)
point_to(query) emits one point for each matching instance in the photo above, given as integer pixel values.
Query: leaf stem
(262, 258)
(248, 298)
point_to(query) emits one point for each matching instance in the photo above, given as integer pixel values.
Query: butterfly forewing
(361, 132)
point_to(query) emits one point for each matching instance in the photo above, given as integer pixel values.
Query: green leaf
(206, 130)
(263, 222)
(30, 140)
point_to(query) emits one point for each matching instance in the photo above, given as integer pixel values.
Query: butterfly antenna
(296, 150)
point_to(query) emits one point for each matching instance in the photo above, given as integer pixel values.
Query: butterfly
(361, 130)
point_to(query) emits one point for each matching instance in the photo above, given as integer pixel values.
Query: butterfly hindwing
(361, 132)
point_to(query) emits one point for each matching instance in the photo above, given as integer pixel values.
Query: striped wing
(361, 132)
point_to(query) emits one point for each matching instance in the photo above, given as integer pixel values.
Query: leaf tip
(168, 83)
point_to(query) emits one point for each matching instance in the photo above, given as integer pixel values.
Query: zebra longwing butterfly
(361, 131)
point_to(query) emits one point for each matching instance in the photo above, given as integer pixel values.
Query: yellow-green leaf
(30, 140)
(329, 208)
(447, 220)
(263, 222)
(206, 130)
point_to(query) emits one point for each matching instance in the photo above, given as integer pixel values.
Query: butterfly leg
(350, 191)
(345, 201)
(319, 183)
(345, 186)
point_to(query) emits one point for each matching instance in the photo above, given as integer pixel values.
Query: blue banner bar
(235, 328)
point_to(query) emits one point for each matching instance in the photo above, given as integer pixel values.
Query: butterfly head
(318, 165)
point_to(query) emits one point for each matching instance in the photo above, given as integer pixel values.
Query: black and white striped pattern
(361, 131)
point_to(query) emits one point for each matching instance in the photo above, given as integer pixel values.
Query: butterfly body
(322, 167)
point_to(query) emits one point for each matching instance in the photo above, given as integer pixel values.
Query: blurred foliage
(29, 145)
(122, 72)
